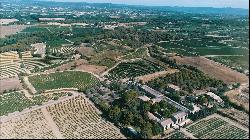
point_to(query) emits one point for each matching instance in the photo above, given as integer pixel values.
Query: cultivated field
(12, 63)
(239, 116)
(78, 118)
(240, 96)
(31, 125)
(216, 128)
(7, 21)
(213, 69)
(12, 29)
(68, 65)
(66, 79)
(65, 49)
(135, 69)
(18, 101)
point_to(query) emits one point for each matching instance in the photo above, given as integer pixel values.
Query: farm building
(151, 91)
(152, 117)
(144, 98)
(167, 123)
(179, 117)
(173, 88)
(215, 97)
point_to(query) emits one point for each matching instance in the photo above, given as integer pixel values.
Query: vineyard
(17, 101)
(65, 49)
(77, 118)
(216, 128)
(134, 69)
(66, 79)
(31, 125)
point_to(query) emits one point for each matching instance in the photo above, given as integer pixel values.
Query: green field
(17, 101)
(216, 128)
(134, 69)
(67, 79)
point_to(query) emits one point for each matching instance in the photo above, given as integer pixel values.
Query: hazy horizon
(186, 3)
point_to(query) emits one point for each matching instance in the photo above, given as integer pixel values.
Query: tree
(128, 118)
(146, 131)
(157, 129)
(114, 113)
(146, 106)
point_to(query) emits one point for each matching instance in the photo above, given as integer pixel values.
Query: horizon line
(144, 5)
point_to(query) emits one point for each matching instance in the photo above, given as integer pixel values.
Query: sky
(187, 3)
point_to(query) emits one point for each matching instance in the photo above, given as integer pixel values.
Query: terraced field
(216, 128)
(134, 69)
(66, 79)
(13, 64)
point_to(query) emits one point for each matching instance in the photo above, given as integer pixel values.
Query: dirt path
(27, 94)
(29, 85)
(52, 124)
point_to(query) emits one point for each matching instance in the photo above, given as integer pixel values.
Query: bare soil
(92, 68)
(149, 77)
(10, 84)
(12, 29)
(213, 69)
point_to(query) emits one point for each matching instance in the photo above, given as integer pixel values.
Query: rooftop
(166, 122)
(179, 115)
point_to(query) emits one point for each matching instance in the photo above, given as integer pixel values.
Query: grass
(67, 79)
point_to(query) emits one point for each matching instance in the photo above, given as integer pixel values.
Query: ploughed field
(216, 128)
(66, 79)
(134, 69)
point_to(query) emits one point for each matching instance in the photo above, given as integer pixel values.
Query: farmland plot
(216, 128)
(31, 125)
(66, 79)
(78, 118)
(134, 69)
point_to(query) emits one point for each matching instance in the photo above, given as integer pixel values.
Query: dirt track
(214, 69)
(149, 77)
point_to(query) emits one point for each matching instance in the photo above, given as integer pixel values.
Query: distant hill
(194, 10)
